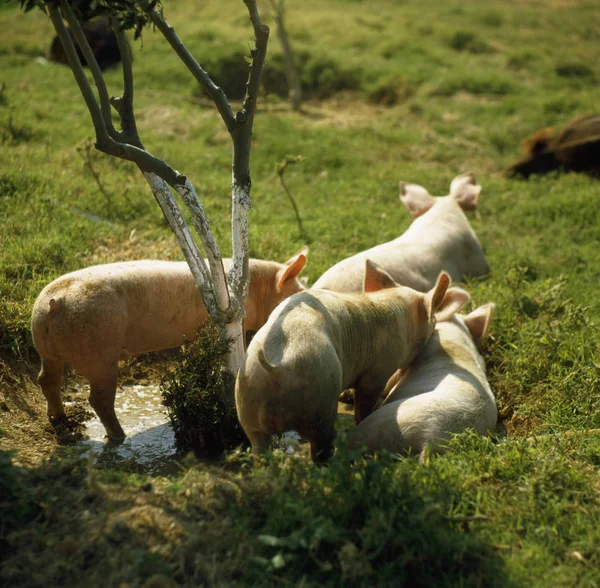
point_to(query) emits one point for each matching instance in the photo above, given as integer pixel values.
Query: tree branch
(92, 63)
(143, 159)
(80, 77)
(124, 104)
(259, 52)
(217, 95)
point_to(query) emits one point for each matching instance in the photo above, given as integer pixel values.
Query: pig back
(394, 257)
(116, 309)
(440, 239)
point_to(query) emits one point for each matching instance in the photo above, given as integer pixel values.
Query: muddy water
(150, 443)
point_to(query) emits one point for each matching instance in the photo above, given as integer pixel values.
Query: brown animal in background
(93, 317)
(101, 38)
(575, 148)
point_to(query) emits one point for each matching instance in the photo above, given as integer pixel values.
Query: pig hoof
(56, 420)
(115, 441)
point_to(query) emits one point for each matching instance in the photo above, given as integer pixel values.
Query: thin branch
(124, 104)
(84, 152)
(280, 172)
(261, 34)
(80, 77)
(217, 95)
(92, 63)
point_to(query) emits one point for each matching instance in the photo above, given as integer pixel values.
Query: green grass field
(396, 90)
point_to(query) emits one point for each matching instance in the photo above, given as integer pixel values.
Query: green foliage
(199, 393)
(365, 521)
(489, 84)
(543, 355)
(132, 14)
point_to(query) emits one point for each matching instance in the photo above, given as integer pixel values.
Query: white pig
(93, 317)
(318, 343)
(443, 392)
(440, 238)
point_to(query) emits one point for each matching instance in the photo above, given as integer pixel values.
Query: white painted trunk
(177, 224)
(225, 303)
(238, 277)
(213, 254)
(237, 351)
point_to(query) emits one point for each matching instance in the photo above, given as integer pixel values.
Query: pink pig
(440, 238)
(443, 392)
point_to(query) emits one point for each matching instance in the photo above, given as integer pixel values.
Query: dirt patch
(111, 249)
(343, 110)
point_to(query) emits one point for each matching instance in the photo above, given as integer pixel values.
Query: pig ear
(442, 302)
(453, 301)
(302, 251)
(376, 278)
(435, 296)
(478, 321)
(416, 198)
(465, 190)
(292, 269)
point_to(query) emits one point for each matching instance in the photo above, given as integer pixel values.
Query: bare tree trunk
(293, 77)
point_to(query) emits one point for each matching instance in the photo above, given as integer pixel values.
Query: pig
(318, 343)
(93, 317)
(440, 238)
(443, 392)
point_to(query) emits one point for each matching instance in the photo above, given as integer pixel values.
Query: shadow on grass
(253, 522)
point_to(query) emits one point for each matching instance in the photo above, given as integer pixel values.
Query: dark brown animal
(575, 148)
(102, 42)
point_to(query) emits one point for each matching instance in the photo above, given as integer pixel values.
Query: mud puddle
(150, 442)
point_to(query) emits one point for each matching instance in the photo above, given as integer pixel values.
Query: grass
(393, 96)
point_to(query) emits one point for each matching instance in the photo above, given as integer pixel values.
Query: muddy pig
(440, 238)
(443, 392)
(318, 343)
(93, 317)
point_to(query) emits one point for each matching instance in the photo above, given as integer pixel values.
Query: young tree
(224, 294)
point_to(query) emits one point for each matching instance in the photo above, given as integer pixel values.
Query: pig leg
(103, 389)
(365, 397)
(50, 379)
(260, 441)
(322, 435)
(321, 447)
